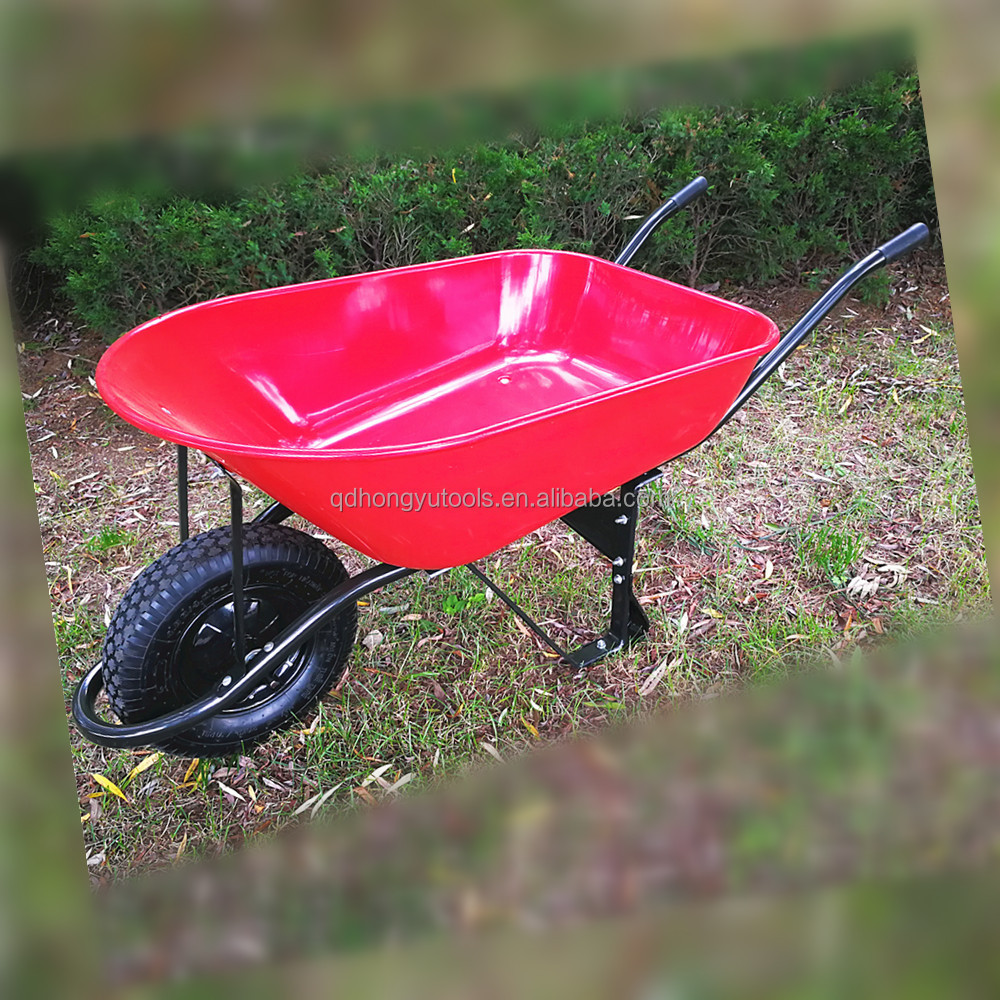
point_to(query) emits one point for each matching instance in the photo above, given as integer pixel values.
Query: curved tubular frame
(675, 203)
(233, 688)
(770, 363)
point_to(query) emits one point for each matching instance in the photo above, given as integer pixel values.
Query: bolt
(268, 646)
(620, 561)
(618, 578)
(226, 681)
(601, 644)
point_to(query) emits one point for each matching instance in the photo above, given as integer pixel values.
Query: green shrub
(794, 186)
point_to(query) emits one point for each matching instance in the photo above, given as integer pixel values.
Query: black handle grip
(689, 192)
(904, 242)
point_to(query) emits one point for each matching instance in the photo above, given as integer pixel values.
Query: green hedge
(792, 184)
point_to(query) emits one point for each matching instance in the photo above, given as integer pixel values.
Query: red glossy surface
(510, 373)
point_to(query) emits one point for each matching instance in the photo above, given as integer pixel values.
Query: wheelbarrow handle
(890, 250)
(673, 204)
(904, 242)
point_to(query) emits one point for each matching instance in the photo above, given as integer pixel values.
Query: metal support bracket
(521, 613)
(609, 524)
(275, 514)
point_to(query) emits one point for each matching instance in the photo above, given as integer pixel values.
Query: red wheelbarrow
(424, 415)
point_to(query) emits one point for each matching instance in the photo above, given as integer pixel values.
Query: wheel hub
(207, 649)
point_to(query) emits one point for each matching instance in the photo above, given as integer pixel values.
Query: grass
(835, 552)
(837, 512)
(109, 539)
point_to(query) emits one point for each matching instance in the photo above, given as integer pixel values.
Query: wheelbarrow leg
(182, 491)
(609, 525)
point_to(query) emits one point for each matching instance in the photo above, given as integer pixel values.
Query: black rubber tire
(157, 657)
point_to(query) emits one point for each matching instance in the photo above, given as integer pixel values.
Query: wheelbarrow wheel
(171, 639)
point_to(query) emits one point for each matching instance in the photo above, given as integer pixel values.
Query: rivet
(618, 578)
(601, 644)
(226, 681)
(620, 561)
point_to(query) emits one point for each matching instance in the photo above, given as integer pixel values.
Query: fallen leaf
(376, 774)
(230, 791)
(109, 785)
(651, 598)
(308, 802)
(144, 764)
(531, 729)
(860, 589)
(650, 683)
(405, 780)
(429, 638)
(319, 805)
(373, 639)
(899, 572)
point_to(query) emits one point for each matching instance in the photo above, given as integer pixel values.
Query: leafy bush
(792, 185)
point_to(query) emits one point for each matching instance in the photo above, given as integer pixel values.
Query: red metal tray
(498, 388)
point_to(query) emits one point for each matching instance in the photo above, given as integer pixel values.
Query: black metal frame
(609, 524)
(237, 684)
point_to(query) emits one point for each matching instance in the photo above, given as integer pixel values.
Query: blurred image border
(83, 78)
